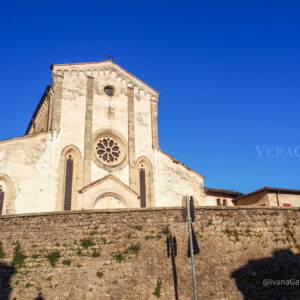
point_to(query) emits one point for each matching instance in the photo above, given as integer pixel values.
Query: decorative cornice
(104, 69)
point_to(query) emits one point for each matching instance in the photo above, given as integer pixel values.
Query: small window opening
(109, 91)
(68, 184)
(143, 187)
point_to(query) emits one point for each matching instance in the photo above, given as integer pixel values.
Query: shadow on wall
(6, 273)
(276, 277)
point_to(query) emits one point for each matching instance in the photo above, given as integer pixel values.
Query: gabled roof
(176, 161)
(269, 190)
(105, 61)
(92, 184)
(222, 191)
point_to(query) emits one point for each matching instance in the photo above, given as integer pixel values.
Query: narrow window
(143, 187)
(68, 184)
(224, 202)
(219, 202)
(1, 200)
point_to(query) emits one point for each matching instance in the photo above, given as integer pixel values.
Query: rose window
(108, 150)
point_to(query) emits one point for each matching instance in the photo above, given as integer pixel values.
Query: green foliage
(86, 243)
(94, 232)
(95, 254)
(227, 231)
(79, 266)
(28, 285)
(138, 227)
(166, 230)
(35, 256)
(158, 288)
(79, 252)
(121, 256)
(209, 223)
(248, 232)
(66, 262)
(104, 240)
(2, 254)
(265, 221)
(133, 249)
(18, 258)
(100, 274)
(17, 282)
(53, 258)
(152, 237)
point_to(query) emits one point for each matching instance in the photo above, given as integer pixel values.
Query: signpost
(190, 204)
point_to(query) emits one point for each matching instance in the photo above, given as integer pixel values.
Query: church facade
(92, 143)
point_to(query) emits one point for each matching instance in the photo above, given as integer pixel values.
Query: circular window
(109, 150)
(109, 91)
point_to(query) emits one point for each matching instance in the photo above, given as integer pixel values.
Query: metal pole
(187, 201)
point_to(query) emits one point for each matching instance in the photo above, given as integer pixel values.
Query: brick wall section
(228, 238)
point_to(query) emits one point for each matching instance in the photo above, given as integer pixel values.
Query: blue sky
(228, 73)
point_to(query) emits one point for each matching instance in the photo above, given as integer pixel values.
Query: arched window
(219, 202)
(68, 183)
(224, 202)
(143, 187)
(1, 200)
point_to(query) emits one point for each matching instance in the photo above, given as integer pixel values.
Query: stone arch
(119, 198)
(143, 163)
(10, 194)
(73, 153)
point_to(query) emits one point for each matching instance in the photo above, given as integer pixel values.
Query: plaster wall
(27, 162)
(172, 181)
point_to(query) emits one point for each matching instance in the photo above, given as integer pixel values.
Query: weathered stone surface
(122, 254)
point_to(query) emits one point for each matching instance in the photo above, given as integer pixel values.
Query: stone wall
(122, 254)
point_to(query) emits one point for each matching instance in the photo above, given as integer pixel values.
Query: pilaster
(131, 139)
(57, 98)
(154, 113)
(88, 131)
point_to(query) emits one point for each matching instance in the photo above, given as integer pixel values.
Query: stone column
(154, 113)
(88, 131)
(131, 139)
(56, 106)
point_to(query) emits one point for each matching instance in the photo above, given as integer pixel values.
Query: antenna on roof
(108, 55)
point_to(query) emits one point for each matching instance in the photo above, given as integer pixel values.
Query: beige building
(269, 196)
(220, 197)
(92, 143)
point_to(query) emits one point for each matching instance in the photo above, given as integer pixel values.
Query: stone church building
(92, 143)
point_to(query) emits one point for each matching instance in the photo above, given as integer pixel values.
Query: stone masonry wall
(122, 254)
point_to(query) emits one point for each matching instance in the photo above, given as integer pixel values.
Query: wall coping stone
(126, 210)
